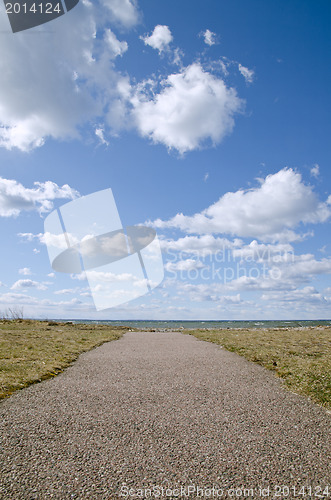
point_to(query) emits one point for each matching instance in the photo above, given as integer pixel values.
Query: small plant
(12, 313)
(16, 313)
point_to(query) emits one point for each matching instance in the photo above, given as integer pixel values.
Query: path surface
(161, 410)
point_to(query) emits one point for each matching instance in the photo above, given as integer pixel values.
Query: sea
(180, 325)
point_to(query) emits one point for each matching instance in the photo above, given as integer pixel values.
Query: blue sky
(208, 120)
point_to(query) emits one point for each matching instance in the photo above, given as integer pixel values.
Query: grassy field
(31, 351)
(302, 357)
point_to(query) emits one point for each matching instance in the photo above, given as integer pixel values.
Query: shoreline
(175, 325)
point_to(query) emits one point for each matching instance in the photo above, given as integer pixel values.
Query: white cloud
(99, 132)
(51, 240)
(159, 39)
(230, 299)
(57, 80)
(230, 279)
(206, 177)
(268, 212)
(209, 37)
(301, 267)
(283, 272)
(107, 277)
(199, 245)
(14, 197)
(210, 292)
(192, 107)
(184, 265)
(26, 271)
(36, 305)
(17, 298)
(64, 96)
(248, 74)
(30, 236)
(118, 48)
(261, 252)
(80, 276)
(315, 170)
(23, 284)
(51, 275)
(225, 274)
(178, 55)
(67, 291)
(123, 11)
(307, 294)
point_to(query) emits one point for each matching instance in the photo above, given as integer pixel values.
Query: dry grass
(302, 357)
(31, 351)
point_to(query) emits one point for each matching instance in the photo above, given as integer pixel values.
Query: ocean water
(176, 325)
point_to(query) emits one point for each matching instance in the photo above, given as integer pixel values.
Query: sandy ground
(160, 415)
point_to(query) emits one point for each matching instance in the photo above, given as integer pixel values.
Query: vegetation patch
(300, 356)
(31, 351)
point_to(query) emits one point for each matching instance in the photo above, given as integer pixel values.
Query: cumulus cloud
(315, 170)
(37, 305)
(210, 292)
(23, 284)
(118, 48)
(159, 39)
(241, 267)
(209, 37)
(286, 273)
(109, 277)
(67, 291)
(59, 79)
(123, 11)
(269, 212)
(184, 265)
(248, 74)
(200, 245)
(15, 198)
(51, 240)
(99, 132)
(306, 295)
(301, 267)
(193, 106)
(26, 271)
(29, 236)
(261, 252)
(64, 96)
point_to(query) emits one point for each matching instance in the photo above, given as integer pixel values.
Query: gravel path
(162, 410)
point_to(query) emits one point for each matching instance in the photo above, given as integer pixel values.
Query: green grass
(302, 357)
(31, 351)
